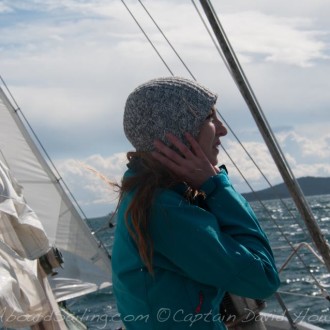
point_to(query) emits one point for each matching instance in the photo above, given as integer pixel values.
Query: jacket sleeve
(223, 247)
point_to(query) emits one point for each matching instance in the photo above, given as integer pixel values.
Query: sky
(71, 64)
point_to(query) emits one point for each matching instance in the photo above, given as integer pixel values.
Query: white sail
(86, 264)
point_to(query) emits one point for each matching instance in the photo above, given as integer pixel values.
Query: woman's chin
(214, 161)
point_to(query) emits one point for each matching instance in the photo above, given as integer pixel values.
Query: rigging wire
(229, 127)
(160, 30)
(145, 34)
(212, 38)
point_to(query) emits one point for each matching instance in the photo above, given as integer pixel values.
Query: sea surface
(301, 280)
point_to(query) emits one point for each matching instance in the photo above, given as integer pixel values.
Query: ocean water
(301, 280)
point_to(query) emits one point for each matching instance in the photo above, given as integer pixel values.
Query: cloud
(53, 5)
(304, 148)
(4, 8)
(287, 40)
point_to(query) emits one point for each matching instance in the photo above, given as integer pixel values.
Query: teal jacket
(200, 252)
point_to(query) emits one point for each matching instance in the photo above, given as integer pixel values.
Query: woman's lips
(216, 144)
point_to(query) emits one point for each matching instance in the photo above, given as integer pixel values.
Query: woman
(184, 236)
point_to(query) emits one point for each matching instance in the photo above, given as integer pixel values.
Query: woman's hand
(192, 166)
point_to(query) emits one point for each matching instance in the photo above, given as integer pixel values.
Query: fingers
(183, 155)
(197, 150)
(168, 156)
(184, 150)
(191, 165)
(178, 161)
(166, 162)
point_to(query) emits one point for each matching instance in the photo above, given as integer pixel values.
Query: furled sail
(86, 264)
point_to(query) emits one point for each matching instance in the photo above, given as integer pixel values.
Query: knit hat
(165, 105)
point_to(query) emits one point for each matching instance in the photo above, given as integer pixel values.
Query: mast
(267, 134)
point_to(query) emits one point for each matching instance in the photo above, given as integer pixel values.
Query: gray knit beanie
(165, 105)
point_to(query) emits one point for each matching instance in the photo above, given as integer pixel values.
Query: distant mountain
(309, 185)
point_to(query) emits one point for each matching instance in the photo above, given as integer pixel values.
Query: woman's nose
(222, 130)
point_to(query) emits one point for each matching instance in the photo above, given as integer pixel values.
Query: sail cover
(86, 264)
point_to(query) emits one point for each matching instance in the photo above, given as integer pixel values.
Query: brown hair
(149, 176)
